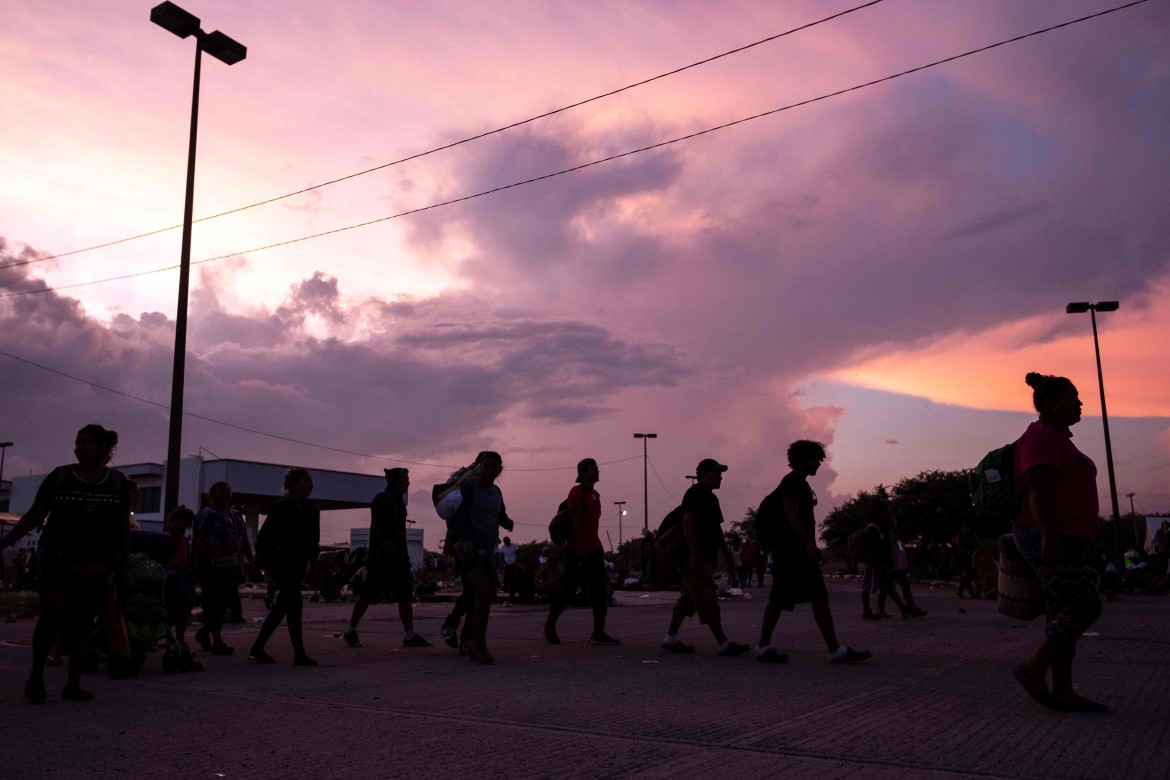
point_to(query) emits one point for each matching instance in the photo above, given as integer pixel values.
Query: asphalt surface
(936, 701)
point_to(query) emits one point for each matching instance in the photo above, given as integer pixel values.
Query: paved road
(937, 701)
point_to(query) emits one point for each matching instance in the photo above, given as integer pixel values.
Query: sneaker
(415, 641)
(222, 650)
(550, 635)
(302, 659)
(919, 612)
(604, 639)
(75, 693)
(734, 648)
(850, 656)
(258, 654)
(449, 637)
(867, 615)
(507, 603)
(884, 615)
(772, 656)
(351, 638)
(466, 646)
(677, 646)
(54, 660)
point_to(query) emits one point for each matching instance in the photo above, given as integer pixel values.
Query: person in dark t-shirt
(287, 546)
(85, 509)
(388, 569)
(786, 517)
(702, 530)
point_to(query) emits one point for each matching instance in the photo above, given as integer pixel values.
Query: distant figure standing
(388, 567)
(86, 538)
(901, 574)
(1056, 532)
(736, 564)
(749, 564)
(287, 546)
(796, 574)
(509, 552)
(965, 546)
(584, 557)
(221, 554)
(703, 532)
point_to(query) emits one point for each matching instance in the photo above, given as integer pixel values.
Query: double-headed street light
(621, 505)
(1080, 308)
(170, 17)
(645, 481)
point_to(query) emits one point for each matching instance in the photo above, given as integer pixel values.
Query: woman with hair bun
(1056, 532)
(84, 509)
(287, 545)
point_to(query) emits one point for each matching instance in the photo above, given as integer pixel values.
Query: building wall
(360, 537)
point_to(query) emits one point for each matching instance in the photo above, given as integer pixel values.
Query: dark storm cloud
(431, 374)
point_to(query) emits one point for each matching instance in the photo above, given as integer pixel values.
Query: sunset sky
(877, 270)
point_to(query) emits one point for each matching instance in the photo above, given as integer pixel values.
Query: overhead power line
(602, 160)
(453, 144)
(277, 436)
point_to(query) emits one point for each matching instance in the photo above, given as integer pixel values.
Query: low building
(360, 537)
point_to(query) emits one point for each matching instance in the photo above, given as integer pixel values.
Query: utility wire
(275, 435)
(602, 160)
(660, 482)
(453, 144)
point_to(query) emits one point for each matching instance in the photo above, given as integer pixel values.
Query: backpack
(561, 526)
(768, 518)
(993, 491)
(664, 567)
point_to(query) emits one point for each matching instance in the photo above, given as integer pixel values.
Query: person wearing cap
(584, 557)
(796, 576)
(388, 567)
(703, 532)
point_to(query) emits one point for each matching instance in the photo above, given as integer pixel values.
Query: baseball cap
(709, 464)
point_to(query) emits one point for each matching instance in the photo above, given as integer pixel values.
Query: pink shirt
(1074, 499)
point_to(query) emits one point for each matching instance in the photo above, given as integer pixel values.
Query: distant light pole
(1080, 308)
(621, 505)
(645, 479)
(173, 18)
(1133, 516)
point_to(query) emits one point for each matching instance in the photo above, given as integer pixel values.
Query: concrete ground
(936, 701)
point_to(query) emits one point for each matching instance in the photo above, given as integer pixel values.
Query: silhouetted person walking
(287, 546)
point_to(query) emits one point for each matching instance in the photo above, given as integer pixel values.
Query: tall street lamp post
(621, 505)
(645, 481)
(1080, 308)
(170, 17)
(4, 445)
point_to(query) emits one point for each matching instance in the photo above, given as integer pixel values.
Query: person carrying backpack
(785, 522)
(584, 557)
(701, 524)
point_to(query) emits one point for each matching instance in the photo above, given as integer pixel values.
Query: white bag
(449, 504)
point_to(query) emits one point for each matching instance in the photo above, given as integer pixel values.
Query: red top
(1074, 499)
(590, 518)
